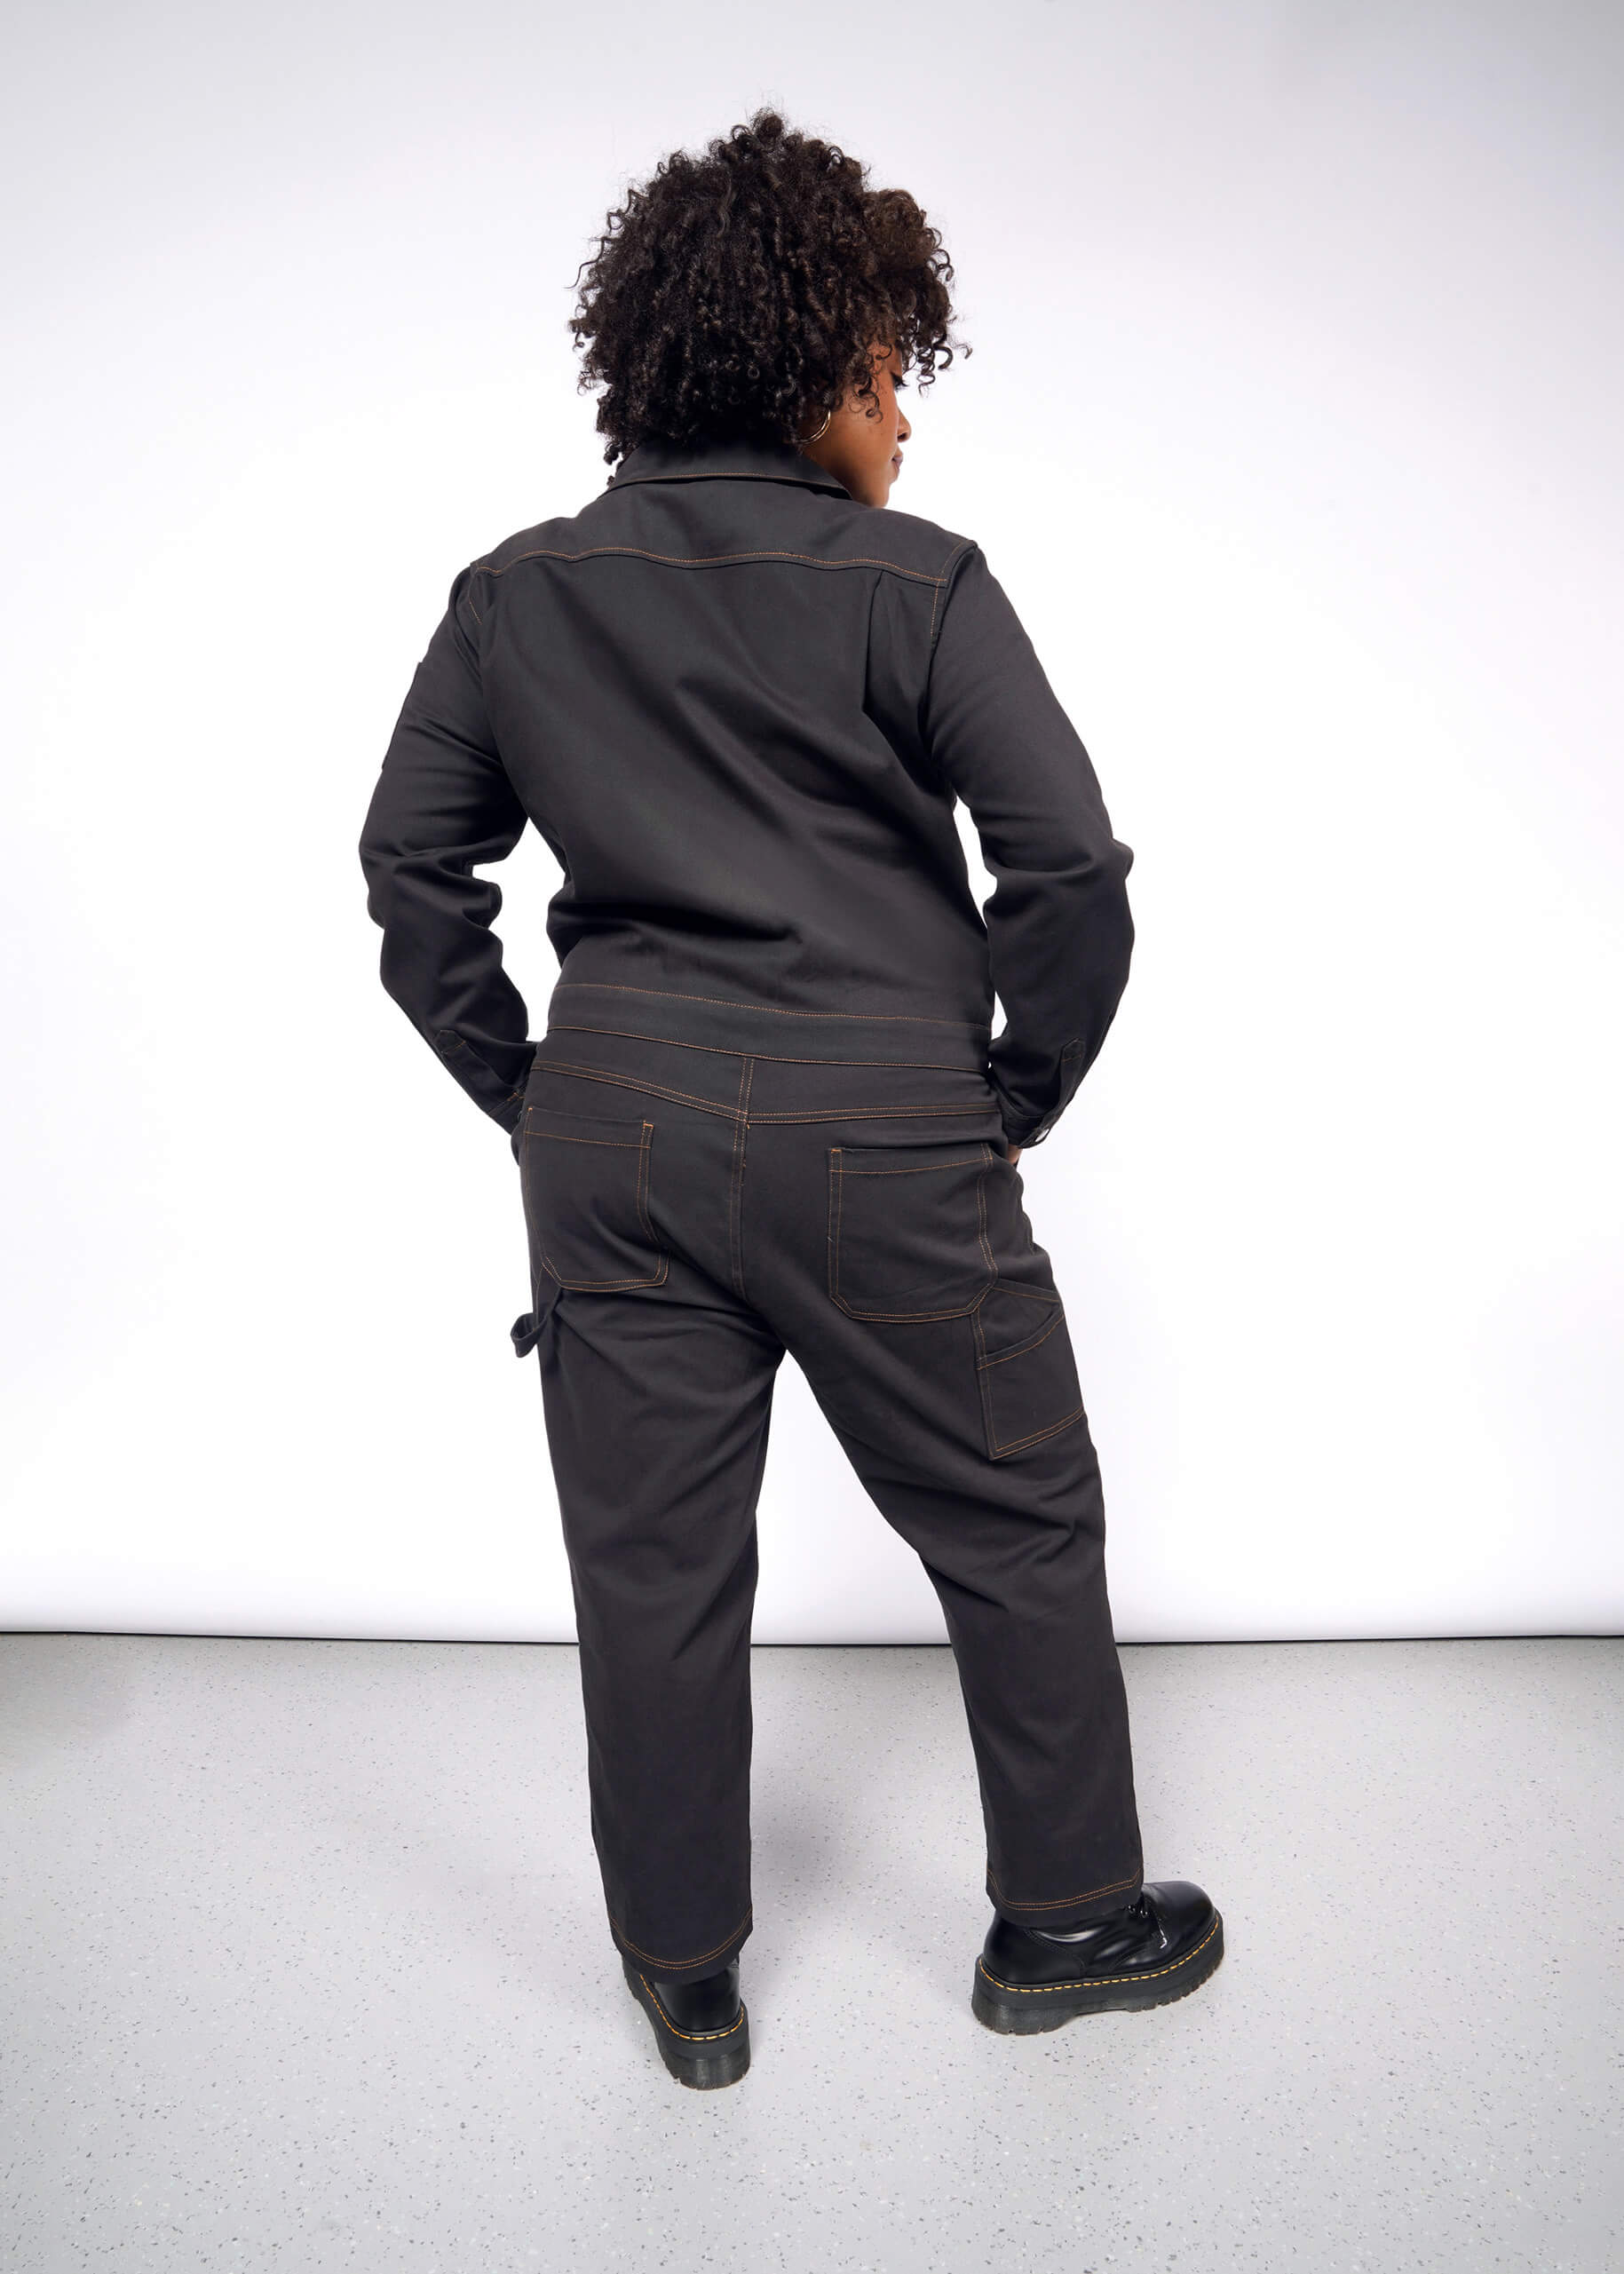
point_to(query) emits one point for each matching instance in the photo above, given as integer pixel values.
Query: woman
(739, 699)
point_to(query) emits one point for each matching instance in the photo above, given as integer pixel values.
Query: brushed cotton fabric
(767, 1113)
(694, 1208)
(740, 708)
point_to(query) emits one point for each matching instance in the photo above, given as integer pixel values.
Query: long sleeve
(441, 803)
(1058, 927)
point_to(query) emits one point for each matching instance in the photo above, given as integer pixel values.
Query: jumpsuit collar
(733, 457)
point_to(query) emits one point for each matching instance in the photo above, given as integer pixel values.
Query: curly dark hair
(736, 291)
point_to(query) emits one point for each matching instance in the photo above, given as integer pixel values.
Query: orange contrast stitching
(709, 560)
(840, 1172)
(618, 1145)
(643, 1214)
(1098, 1981)
(987, 1159)
(1014, 1444)
(935, 597)
(1020, 1349)
(928, 1168)
(866, 1113)
(627, 1081)
(628, 1144)
(607, 1287)
(736, 1181)
(997, 1446)
(733, 1051)
(672, 994)
(714, 1106)
(1055, 1902)
(675, 1965)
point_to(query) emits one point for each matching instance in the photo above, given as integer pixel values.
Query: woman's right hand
(1014, 1154)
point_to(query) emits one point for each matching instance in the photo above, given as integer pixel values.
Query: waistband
(838, 1037)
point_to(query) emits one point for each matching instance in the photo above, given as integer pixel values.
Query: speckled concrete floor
(306, 1968)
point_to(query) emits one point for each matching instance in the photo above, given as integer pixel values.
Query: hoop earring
(812, 437)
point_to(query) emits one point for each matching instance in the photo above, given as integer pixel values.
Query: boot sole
(719, 2057)
(1017, 2009)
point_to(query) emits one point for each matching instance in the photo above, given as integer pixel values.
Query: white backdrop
(1307, 318)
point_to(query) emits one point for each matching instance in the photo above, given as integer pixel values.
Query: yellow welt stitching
(694, 2036)
(1097, 1981)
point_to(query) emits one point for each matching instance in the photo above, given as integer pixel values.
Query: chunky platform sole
(1017, 2009)
(716, 2056)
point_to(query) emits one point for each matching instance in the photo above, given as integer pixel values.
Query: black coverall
(768, 1113)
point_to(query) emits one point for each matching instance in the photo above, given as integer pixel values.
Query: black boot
(701, 2028)
(1164, 1944)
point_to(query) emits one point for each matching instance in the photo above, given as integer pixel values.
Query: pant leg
(1018, 1567)
(657, 1386)
(890, 1250)
(879, 1233)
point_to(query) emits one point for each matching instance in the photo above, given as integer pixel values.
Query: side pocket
(1026, 1369)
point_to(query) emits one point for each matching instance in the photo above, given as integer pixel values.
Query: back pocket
(907, 1229)
(585, 1180)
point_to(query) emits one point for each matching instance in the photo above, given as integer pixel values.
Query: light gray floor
(306, 1968)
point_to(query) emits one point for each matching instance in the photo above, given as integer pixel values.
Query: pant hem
(690, 1968)
(1059, 1914)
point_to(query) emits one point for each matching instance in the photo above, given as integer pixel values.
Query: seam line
(709, 560)
(1057, 1902)
(735, 1050)
(672, 1965)
(777, 1010)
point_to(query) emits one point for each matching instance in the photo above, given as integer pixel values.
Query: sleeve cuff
(1072, 1064)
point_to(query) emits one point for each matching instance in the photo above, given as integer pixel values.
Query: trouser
(707, 1185)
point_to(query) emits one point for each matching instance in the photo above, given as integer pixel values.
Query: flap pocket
(907, 1229)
